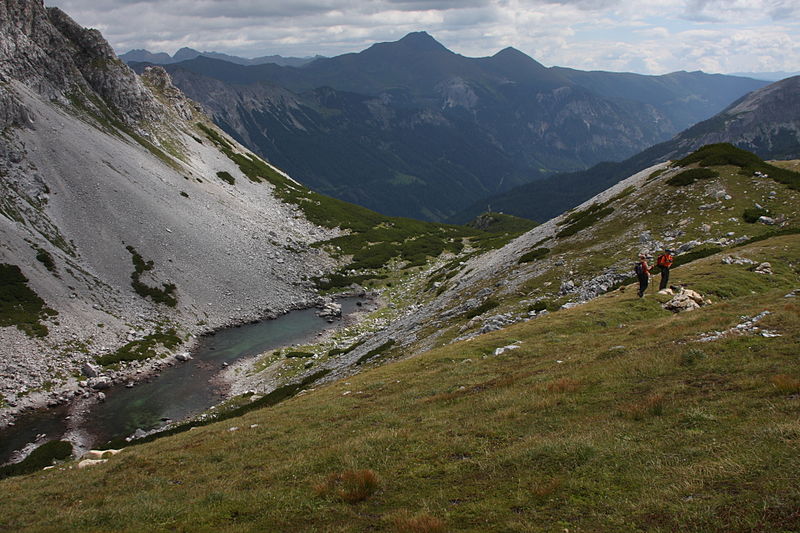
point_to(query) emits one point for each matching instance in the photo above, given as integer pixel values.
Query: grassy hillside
(611, 416)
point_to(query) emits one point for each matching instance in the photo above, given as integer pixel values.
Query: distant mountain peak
(510, 57)
(421, 40)
(510, 51)
(185, 53)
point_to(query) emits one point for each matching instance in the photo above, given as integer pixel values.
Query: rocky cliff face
(48, 52)
(124, 211)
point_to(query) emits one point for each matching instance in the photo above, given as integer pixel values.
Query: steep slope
(612, 415)
(766, 122)
(411, 128)
(127, 219)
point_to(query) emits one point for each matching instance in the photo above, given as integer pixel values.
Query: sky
(644, 36)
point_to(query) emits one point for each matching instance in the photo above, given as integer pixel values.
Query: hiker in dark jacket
(642, 270)
(664, 262)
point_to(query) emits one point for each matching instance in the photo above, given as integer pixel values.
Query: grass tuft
(564, 385)
(420, 523)
(651, 406)
(350, 486)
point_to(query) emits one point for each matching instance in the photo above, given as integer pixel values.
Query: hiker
(664, 262)
(642, 270)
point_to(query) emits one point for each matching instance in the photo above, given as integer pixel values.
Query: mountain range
(410, 128)
(766, 122)
(185, 54)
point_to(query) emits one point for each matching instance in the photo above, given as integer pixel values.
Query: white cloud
(631, 35)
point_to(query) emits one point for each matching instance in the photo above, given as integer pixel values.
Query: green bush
(583, 219)
(164, 295)
(687, 177)
(697, 253)
(44, 257)
(298, 355)
(20, 306)
(533, 255)
(752, 214)
(44, 455)
(142, 349)
(485, 306)
(226, 177)
(749, 163)
(377, 351)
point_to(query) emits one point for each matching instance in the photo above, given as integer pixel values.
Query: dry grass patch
(350, 486)
(650, 406)
(564, 385)
(785, 384)
(546, 488)
(420, 523)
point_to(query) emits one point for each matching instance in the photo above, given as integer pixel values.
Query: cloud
(652, 37)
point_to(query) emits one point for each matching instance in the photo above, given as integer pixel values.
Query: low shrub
(533, 255)
(298, 354)
(226, 177)
(142, 349)
(752, 214)
(485, 306)
(539, 306)
(687, 177)
(584, 219)
(164, 295)
(44, 455)
(697, 253)
(749, 163)
(20, 306)
(44, 257)
(377, 351)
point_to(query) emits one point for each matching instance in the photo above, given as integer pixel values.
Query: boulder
(686, 300)
(680, 303)
(90, 462)
(764, 268)
(100, 454)
(100, 383)
(330, 310)
(503, 349)
(183, 356)
(90, 371)
(736, 260)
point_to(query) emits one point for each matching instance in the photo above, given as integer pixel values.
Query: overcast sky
(646, 36)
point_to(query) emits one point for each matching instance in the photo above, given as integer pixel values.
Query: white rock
(91, 462)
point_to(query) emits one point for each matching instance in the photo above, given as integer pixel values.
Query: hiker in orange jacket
(664, 262)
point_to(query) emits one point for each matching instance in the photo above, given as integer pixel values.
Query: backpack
(664, 260)
(638, 269)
